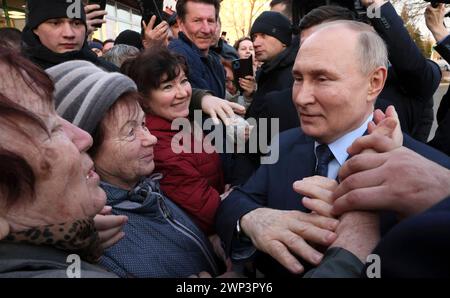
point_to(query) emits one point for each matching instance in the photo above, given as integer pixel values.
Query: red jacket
(192, 180)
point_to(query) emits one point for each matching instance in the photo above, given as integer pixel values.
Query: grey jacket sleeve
(337, 263)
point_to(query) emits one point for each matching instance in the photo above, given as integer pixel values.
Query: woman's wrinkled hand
(109, 227)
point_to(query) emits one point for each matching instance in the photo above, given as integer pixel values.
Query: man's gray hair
(119, 53)
(372, 50)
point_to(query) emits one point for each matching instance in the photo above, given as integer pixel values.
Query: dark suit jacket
(271, 186)
(274, 105)
(415, 248)
(418, 247)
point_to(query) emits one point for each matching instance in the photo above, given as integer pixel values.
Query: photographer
(434, 18)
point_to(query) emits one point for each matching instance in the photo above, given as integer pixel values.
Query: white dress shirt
(339, 148)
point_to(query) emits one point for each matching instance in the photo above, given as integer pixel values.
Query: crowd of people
(93, 163)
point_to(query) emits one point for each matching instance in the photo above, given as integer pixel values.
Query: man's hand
(92, 11)
(385, 134)
(359, 233)
(158, 34)
(248, 84)
(434, 19)
(318, 192)
(283, 234)
(4, 228)
(109, 227)
(387, 124)
(217, 108)
(400, 180)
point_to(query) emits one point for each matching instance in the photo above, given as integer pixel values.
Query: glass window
(111, 10)
(136, 17)
(136, 28)
(119, 18)
(122, 27)
(110, 32)
(123, 13)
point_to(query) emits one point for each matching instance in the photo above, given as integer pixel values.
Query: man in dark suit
(410, 85)
(412, 79)
(337, 80)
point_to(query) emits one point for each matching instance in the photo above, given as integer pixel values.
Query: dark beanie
(274, 24)
(130, 38)
(84, 92)
(40, 11)
(95, 45)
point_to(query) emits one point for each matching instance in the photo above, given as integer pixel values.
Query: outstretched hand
(154, 34)
(109, 227)
(92, 12)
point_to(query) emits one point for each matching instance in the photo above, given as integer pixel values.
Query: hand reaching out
(434, 19)
(318, 192)
(220, 108)
(384, 134)
(92, 12)
(283, 234)
(109, 227)
(153, 34)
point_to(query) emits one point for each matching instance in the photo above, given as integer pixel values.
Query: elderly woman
(193, 180)
(160, 239)
(49, 192)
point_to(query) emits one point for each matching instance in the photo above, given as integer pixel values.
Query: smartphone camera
(236, 64)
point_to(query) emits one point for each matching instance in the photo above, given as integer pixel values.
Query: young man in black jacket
(56, 32)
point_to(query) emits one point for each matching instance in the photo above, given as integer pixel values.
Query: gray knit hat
(84, 92)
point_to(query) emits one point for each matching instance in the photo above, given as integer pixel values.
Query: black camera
(434, 3)
(302, 7)
(149, 8)
(241, 69)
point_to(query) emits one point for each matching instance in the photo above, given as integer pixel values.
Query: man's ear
(180, 24)
(376, 83)
(4, 228)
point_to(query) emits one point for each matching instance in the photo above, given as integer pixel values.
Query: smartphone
(241, 69)
(102, 4)
(150, 8)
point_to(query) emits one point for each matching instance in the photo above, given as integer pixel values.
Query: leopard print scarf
(78, 237)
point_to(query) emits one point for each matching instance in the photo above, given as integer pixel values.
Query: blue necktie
(324, 156)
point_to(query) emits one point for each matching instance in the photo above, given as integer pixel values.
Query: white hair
(372, 50)
(119, 53)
